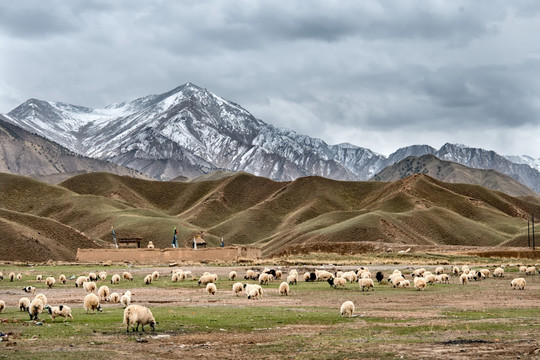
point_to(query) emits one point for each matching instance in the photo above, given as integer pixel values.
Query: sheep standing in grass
(456, 271)
(211, 289)
(335, 282)
(442, 279)
(125, 299)
(115, 279)
(11, 276)
(80, 281)
(42, 298)
(253, 291)
(419, 283)
(24, 304)
(430, 279)
(238, 288)
(323, 275)
(292, 279)
(463, 279)
(284, 288)
(498, 272)
(205, 279)
(114, 297)
(35, 308)
(2, 305)
(485, 272)
(347, 309)
(175, 277)
(50, 281)
(91, 302)
(89, 286)
(1, 275)
(366, 283)
(531, 270)
(379, 276)
(404, 284)
(103, 292)
(148, 279)
(127, 276)
(140, 315)
(39, 277)
(523, 269)
(155, 275)
(396, 279)
(264, 279)
(518, 283)
(232, 275)
(56, 311)
(103, 276)
(279, 274)
(19, 277)
(62, 278)
(351, 276)
(439, 270)
(92, 276)
(29, 289)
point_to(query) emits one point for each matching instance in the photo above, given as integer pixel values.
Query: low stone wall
(162, 256)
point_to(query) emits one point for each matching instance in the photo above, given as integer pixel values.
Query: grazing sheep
(114, 298)
(284, 288)
(2, 305)
(396, 279)
(50, 281)
(279, 274)
(35, 308)
(292, 279)
(442, 279)
(347, 309)
(310, 276)
(518, 283)
(250, 275)
(80, 281)
(140, 315)
(205, 279)
(92, 276)
(103, 292)
(39, 277)
(498, 272)
(456, 271)
(404, 284)
(293, 272)
(148, 279)
(323, 275)
(56, 311)
(91, 302)
(19, 277)
(418, 272)
(127, 276)
(306, 276)
(253, 291)
(29, 289)
(103, 276)
(42, 298)
(150, 245)
(366, 283)
(233, 275)
(523, 269)
(238, 288)
(62, 278)
(264, 279)
(335, 282)
(115, 279)
(125, 300)
(188, 273)
(11, 276)
(379, 276)
(430, 279)
(1, 275)
(531, 270)
(351, 276)
(439, 270)
(211, 288)
(24, 304)
(419, 283)
(155, 275)
(89, 286)
(464, 279)
(485, 272)
(175, 277)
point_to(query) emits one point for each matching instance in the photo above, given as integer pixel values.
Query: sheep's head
(99, 308)
(153, 325)
(48, 308)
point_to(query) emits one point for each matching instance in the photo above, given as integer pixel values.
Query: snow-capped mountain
(524, 159)
(190, 131)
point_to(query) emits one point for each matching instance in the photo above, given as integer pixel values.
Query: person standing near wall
(175, 239)
(222, 243)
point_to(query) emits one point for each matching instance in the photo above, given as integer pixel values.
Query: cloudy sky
(378, 74)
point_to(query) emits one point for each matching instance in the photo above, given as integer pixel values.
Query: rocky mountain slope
(190, 131)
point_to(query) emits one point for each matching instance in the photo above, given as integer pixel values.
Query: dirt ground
(424, 308)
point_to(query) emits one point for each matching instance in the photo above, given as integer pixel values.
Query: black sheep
(379, 276)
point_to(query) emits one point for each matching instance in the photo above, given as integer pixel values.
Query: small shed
(129, 242)
(199, 241)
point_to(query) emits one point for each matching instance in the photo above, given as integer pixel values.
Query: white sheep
(442, 279)
(89, 286)
(29, 289)
(284, 288)
(80, 280)
(35, 308)
(253, 291)
(211, 289)
(335, 282)
(92, 276)
(155, 275)
(351, 276)
(396, 279)
(419, 283)
(148, 279)
(463, 279)
(323, 275)
(175, 277)
(279, 274)
(430, 279)
(103, 275)
(498, 272)
(50, 281)
(485, 272)
(150, 245)
(292, 279)
(347, 309)
(307, 276)
(62, 278)
(115, 279)
(56, 311)
(264, 279)
(1, 275)
(125, 300)
(127, 276)
(11, 276)
(404, 284)
(238, 288)
(205, 279)
(19, 277)
(39, 277)
(518, 283)
(456, 270)
(42, 298)
(91, 302)
(103, 292)
(418, 272)
(24, 304)
(366, 283)
(439, 270)
(523, 269)
(2, 305)
(531, 270)
(140, 315)
(188, 273)
(232, 275)
(114, 297)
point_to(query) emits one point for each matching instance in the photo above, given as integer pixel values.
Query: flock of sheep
(138, 315)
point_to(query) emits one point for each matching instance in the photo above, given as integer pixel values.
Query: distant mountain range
(189, 131)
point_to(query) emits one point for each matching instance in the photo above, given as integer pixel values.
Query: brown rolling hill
(452, 172)
(245, 209)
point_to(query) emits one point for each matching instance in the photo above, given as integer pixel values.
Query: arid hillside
(50, 222)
